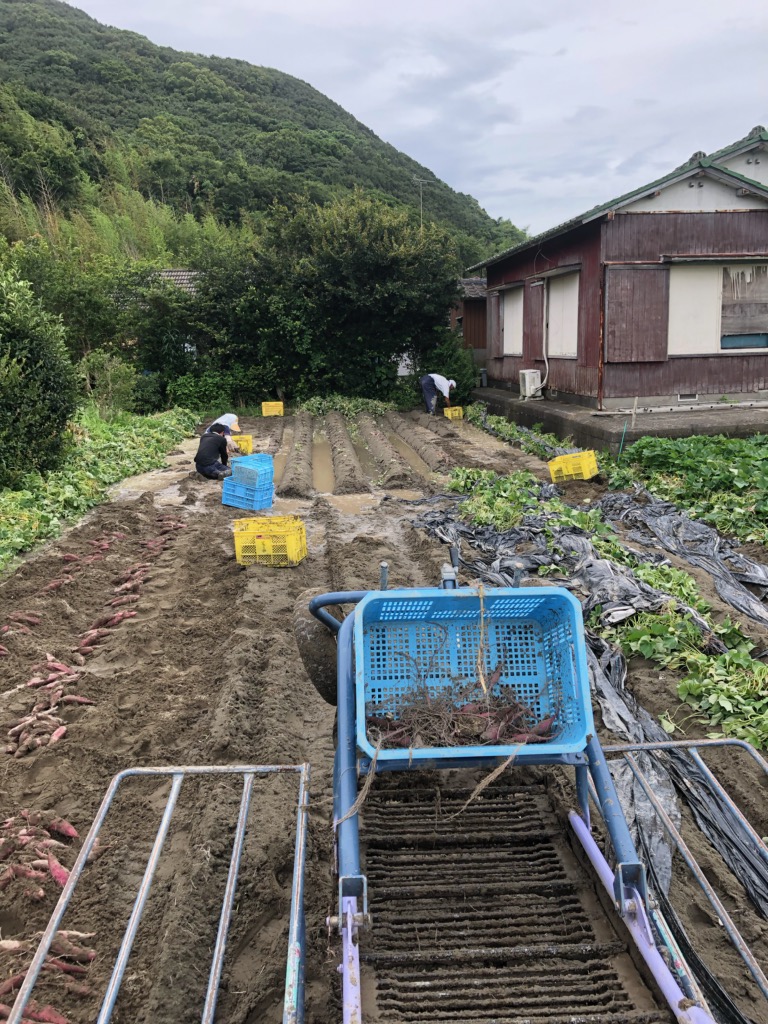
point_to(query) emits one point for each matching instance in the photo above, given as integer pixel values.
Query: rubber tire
(317, 645)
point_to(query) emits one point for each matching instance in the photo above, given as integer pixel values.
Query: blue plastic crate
(430, 637)
(253, 470)
(240, 495)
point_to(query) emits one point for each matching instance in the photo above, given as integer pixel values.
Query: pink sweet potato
(63, 946)
(4, 652)
(70, 556)
(11, 984)
(13, 946)
(61, 827)
(54, 964)
(28, 617)
(24, 871)
(74, 698)
(43, 1014)
(58, 666)
(118, 618)
(98, 623)
(56, 584)
(57, 735)
(544, 727)
(125, 599)
(59, 873)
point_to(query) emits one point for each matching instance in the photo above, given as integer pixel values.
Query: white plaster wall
(752, 165)
(563, 315)
(512, 323)
(695, 297)
(697, 195)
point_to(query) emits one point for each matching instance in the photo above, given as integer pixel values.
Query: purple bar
(671, 991)
(350, 963)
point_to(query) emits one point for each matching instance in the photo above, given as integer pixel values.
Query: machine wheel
(317, 645)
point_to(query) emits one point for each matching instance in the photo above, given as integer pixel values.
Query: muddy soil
(296, 481)
(395, 471)
(425, 445)
(467, 446)
(347, 471)
(207, 672)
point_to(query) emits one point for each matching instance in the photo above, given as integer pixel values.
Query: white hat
(451, 383)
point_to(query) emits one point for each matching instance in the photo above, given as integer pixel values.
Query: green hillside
(84, 107)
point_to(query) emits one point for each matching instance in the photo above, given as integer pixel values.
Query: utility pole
(421, 182)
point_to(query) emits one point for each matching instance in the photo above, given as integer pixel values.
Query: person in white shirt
(433, 384)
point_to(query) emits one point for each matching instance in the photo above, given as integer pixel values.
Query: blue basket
(240, 495)
(430, 637)
(253, 470)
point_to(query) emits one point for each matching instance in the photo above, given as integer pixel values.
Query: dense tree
(38, 388)
(330, 297)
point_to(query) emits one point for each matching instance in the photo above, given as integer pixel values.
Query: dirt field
(207, 672)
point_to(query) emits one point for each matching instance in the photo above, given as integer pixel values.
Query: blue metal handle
(630, 871)
(317, 606)
(351, 880)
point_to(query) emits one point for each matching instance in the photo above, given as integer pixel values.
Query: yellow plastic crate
(581, 466)
(271, 408)
(278, 541)
(454, 412)
(244, 442)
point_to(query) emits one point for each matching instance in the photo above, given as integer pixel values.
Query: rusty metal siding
(493, 326)
(648, 236)
(702, 375)
(636, 314)
(474, 323)
(580, 248)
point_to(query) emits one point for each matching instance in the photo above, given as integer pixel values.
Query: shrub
(222, 389)
(38, 384)
(149, 393)
(109, 382)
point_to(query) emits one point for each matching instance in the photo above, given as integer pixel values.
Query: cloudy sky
(538, 108)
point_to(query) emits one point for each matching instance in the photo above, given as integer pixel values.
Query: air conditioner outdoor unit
(530, 384)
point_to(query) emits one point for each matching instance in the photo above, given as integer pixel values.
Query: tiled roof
(698, 162)
(184, 279)
(472, 287)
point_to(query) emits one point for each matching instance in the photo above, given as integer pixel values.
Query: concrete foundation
(602, 432)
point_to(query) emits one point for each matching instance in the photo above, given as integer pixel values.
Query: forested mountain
(85, 108)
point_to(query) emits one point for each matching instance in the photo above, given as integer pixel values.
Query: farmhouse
(660, 295)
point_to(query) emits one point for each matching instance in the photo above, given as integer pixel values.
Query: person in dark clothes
(212, 458)
(433, 384)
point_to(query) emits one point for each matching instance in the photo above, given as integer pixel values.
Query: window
(715, 308)
(694, 309)
(512, 324)
(562, 326)
(744, 311)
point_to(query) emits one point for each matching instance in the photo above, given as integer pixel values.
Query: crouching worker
(212, 458)
(431, 385)
(231, 426)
